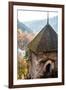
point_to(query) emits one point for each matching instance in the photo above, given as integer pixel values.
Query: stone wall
(39, 63)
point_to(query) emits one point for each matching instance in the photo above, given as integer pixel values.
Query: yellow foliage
(23, 69)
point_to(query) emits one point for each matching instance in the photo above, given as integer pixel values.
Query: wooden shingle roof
(46, 40)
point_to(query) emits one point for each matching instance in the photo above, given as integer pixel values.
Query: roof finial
(48, 17)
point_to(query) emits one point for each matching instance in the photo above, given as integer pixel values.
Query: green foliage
(26, 55)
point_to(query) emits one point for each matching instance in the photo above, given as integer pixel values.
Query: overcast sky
(25, 16)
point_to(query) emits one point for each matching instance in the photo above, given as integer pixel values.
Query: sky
(30, 15)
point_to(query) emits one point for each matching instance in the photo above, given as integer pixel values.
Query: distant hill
(23, 27)
(24, 35)
(23, 39)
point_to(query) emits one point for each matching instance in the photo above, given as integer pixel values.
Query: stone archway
(48, 68)
(50, 63)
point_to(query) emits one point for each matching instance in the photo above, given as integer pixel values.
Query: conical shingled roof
(45, 41)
